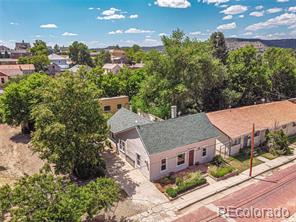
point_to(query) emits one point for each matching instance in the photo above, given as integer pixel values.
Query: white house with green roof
(159, 148)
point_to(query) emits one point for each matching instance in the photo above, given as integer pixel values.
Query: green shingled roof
(125, 119)
(169, 134)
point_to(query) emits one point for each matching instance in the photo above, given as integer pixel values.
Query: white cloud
(215, 1)
(69, 34)
(130, 31)
(149, 4)
(13, 23)
(292, 9)
(241, 16)
(257, 14)
(90, 8)
(235, 9)
(137, 31)
(259, 7)
(223, 6)
(248, 33)
(98, 8)
(110, 11)
(134, 16)
(173, 3)
(111, 17)
(115, 32)
(227, 26)
(162, 34)
(195, 33)
(48, 26)
(281, 1)
(274, 10)
(227, 17)
(111, 14)
(281, 20)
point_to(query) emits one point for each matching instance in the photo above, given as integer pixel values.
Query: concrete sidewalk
(167, 211)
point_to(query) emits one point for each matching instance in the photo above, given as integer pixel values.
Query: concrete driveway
(139, 189)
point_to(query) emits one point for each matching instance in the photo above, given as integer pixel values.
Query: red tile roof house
(159, 148)
(236, 123)
(10, 71)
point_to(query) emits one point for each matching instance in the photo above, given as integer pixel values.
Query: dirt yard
(16, 159)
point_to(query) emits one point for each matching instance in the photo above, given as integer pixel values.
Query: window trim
(166, 164)
(202, 151)
(179, 165)
(107, 110)
(138, 155)
(120, 143)
(118, 108)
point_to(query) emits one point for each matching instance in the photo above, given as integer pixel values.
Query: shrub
(218, 160)
(171, 192)
(221, 171)
(278, 143)
(179, 180)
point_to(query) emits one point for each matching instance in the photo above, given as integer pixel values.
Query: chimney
(173, 112)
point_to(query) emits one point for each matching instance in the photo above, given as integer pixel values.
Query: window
(257, 133)
(2, 80)
(163, 165)
(122, 145)
(119, 106)
(138, 161)
(204, 152)
(294, 124)
(236, 141)
(180, 159)
(284, 126)
(107, 108)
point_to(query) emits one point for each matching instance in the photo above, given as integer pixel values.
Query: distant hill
(233, 43)
(261, 44)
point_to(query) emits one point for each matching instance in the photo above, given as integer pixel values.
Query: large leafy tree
(102, 58)
(79, 54)
(70, 126)
(46, 197)
(19, 99)
(218, 43)
(248, 80)
(39, 48)
(186, 75)
(280, 65)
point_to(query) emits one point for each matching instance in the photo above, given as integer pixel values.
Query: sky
(100, 23)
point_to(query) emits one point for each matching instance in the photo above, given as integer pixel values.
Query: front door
(191, 158)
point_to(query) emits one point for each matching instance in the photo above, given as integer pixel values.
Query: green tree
(70, 127)
(19, 98)
(278, 142)
(102, 58)
(248, 79)
(218, 43)
(40, 61)
(39, 48)
(79, 54)
(46, 197)
(280, 65)
(56, 49)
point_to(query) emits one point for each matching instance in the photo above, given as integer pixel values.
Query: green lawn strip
(220, 171)
(268, 155)
(242, 162)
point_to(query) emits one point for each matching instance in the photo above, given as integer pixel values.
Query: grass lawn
(242, 162)
(268, 155)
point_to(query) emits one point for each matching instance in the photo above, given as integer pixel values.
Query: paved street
(276, 191)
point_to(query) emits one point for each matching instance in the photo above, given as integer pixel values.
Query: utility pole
(252, 149)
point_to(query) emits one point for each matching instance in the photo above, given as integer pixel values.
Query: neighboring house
(8, 61)
(75, 68)
(236, 123)
(22, 45)
(111, 68)
(53, 69)
(159, 148)
(15, 54)
(4, 51)
(117, 56)
(10, 71)
(137, 66)
(113, 104)
(61, 61)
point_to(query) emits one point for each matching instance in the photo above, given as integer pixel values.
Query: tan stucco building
(113, 104)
